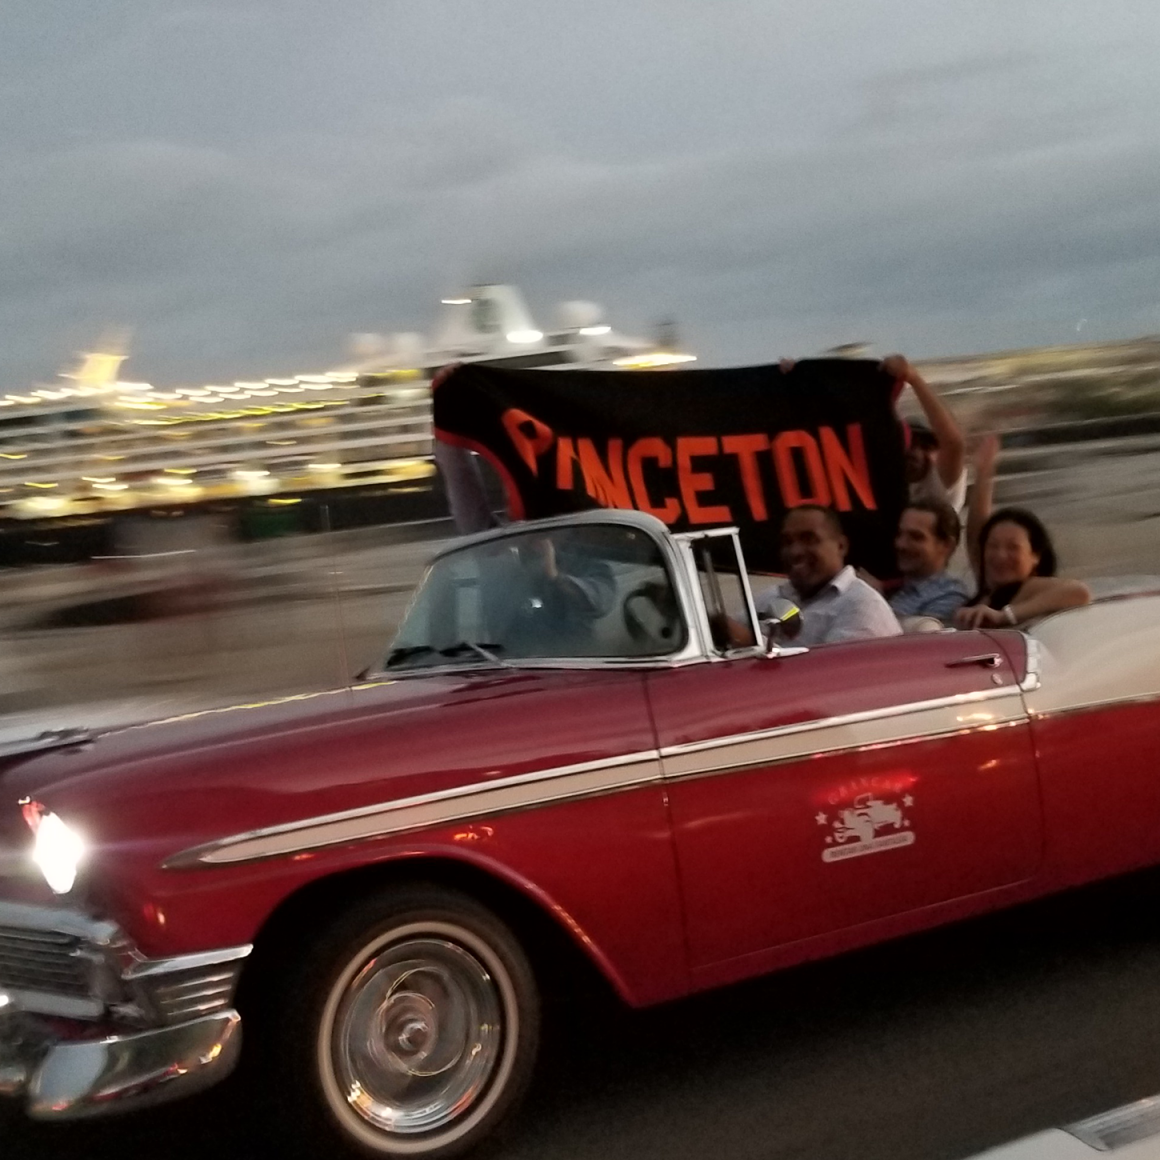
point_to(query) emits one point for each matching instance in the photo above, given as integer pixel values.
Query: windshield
(593, 590)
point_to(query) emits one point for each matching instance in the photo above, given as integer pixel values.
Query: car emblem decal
(870, 825)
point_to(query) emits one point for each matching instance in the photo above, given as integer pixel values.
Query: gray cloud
(246, 183)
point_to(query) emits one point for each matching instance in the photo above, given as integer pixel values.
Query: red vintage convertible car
(565, 753)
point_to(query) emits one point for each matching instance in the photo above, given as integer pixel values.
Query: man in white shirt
(835, 605)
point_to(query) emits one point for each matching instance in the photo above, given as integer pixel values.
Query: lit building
(96, 443)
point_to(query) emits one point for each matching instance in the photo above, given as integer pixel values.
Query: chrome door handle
(986, 660)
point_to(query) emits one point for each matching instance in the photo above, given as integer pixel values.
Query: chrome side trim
(1091, 706)
(771, 758)
(894, 725)
(520, 791)
(954, 701)
(943, 717)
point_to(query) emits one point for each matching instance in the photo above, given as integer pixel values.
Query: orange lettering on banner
(565, 457)
(747, 448)
(606, 485)
(658, 449)
(528, 445)
(693, 482)
(787, 473)
(841, 467)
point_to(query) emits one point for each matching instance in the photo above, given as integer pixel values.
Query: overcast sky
(244, 183)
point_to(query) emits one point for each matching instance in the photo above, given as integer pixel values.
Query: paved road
(930, 1048)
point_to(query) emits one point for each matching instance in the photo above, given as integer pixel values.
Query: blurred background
(241, 235)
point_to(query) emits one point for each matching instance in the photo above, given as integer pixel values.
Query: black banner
(697, 449)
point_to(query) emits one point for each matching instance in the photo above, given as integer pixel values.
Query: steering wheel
(651, 615)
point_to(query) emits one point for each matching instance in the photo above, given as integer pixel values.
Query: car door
(823, 790)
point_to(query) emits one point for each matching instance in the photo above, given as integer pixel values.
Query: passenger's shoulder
(866, 593)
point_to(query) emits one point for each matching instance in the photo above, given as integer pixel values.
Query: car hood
(191, 778)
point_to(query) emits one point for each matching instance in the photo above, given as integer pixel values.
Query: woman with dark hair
(1013, 558)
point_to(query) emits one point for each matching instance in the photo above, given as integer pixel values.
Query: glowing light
(656, 359)
(13, 455)
(523, 337)
(58, 851)
(323, 466)
(593, 331)
(250, 473)
(283, 502)
(99, 478)
(111, 486)
(181, 470)
(140, 405)
(456, 301)
(32, 483)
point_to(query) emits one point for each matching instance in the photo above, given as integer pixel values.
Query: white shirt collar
(844, 579)
(840, 584)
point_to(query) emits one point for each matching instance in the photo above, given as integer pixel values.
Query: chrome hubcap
(417, 1035)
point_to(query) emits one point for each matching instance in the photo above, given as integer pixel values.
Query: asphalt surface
(929, 1048)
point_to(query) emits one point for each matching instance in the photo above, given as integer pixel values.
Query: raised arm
(982, 497)
(952, 447)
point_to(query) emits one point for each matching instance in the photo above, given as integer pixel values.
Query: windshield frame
(685, 545)
(698, 644)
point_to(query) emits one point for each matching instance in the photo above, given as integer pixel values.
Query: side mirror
(783, 622)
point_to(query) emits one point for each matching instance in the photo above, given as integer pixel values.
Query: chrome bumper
(89, 1025)
(69, 1079)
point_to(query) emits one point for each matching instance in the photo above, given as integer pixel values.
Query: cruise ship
(93, 444)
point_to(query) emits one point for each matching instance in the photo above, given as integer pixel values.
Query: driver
(544, 595)
(835, 604)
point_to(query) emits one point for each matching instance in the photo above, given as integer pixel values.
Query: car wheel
(410, 1030)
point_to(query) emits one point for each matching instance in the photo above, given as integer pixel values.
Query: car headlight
(58, 851)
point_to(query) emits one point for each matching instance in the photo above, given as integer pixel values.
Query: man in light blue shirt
(928, 533)
(835, 604)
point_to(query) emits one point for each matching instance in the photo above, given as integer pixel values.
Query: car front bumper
(88, 1025)
(60, 1078)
